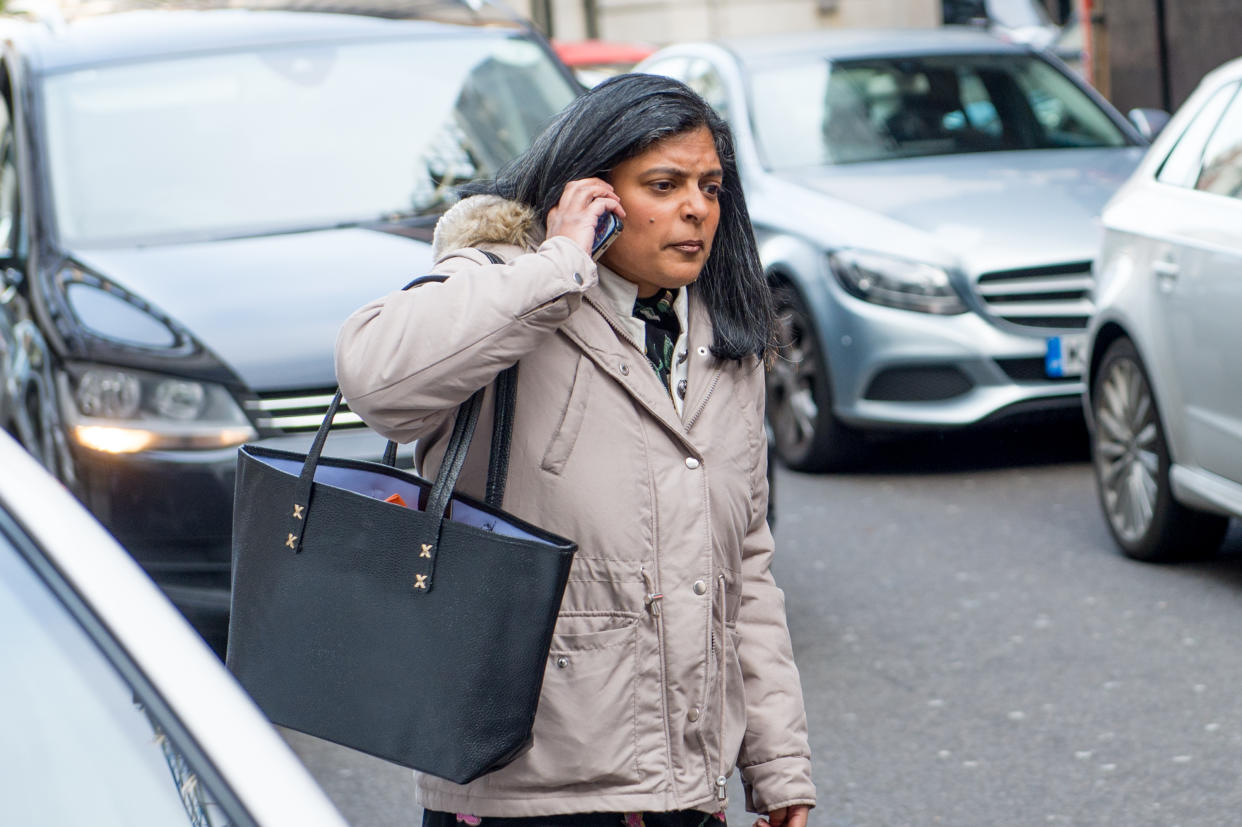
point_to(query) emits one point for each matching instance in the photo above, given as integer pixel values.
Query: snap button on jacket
(671, 663)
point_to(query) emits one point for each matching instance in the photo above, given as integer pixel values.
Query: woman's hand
(581, 205)
(794, 816)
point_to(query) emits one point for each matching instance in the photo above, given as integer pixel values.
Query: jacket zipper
(710, 390)
(652, 601)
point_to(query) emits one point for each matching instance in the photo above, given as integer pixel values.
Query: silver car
(114, 712)
(925, 203)
(1165, 392)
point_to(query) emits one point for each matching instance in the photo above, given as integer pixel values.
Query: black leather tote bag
(417, 634)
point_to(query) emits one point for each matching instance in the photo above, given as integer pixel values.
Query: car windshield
(289, 138)
(821, 113)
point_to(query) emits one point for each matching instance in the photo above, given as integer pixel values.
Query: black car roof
(142, 35)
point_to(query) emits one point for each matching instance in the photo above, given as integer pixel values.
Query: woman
(638, 434)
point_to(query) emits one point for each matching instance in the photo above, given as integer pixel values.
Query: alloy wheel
(1127, 449)
(792, 408)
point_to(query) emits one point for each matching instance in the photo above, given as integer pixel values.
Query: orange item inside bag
(396, 500)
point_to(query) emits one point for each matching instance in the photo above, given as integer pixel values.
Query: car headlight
(896, 282)
(123, 411)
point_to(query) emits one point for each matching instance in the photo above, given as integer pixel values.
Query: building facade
(1152, 53)
(659, 22)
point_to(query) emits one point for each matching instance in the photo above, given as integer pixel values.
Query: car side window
(702, 77)
(80, 745)
(1222, 157)
(1181, 167)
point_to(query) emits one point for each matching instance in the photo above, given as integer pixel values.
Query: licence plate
(1066, 356)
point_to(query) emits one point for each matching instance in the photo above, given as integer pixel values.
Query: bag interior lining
(380, 486)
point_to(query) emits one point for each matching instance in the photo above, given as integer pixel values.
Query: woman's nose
(694, 208)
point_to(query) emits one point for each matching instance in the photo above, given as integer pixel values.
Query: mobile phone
(606, 231)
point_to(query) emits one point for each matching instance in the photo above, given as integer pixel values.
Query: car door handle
(1165, 268)
(1166, 271)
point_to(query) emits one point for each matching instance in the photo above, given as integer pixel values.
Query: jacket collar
(603, 337)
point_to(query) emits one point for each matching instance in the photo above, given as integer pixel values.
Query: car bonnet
(269, 306)
(989, 210)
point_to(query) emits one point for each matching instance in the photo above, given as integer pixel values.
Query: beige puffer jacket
(671, 660)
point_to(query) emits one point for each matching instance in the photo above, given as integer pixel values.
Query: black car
(191, 202)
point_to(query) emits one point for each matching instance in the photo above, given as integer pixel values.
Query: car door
(83, 744)
(112, 712)
(1188, 251)
(1206, 270)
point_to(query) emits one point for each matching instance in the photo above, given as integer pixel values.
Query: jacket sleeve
(407, 360)
(775, 760)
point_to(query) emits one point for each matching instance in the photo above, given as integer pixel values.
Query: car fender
(803, 265)
(1127, 309)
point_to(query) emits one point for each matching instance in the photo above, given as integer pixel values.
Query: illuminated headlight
(122, 411)
(896, 282)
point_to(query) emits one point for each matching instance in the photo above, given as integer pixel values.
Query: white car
(114, 711)
(1164, 399)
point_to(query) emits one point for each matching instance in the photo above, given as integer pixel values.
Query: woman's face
(671, 196)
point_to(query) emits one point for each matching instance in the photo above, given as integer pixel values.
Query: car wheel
(808, 437)
(1131, 459)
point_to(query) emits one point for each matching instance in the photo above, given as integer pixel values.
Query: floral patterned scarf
(662, 331)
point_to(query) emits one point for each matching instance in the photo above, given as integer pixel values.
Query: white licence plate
(1066, 356)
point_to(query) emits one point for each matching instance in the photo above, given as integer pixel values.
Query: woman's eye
(713, 190)
(662, 186)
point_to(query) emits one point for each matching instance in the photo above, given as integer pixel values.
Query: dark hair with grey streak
(623, 117)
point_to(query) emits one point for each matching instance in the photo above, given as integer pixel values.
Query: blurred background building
(1147, 53)
(1153, 52)
(665, 21)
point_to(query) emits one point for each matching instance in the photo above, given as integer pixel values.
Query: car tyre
(1131, 459)
(808, 436)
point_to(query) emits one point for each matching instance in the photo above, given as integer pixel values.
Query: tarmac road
(974, 651)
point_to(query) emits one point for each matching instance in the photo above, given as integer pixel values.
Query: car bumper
(173, 511)
(894, 369)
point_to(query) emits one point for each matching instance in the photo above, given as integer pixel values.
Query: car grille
(1031, 370)
(918, 383)
(1042, 297)
(297, 411)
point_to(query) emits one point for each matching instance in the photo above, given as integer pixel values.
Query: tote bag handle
(454, 455)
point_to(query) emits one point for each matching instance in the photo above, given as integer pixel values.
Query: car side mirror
(1149, 122)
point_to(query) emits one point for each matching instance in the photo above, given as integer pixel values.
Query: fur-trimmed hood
(485, 219)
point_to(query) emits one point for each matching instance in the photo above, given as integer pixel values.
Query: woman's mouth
(690, 246)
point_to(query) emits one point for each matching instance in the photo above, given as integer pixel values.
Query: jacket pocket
(562, 443)
(586, 725)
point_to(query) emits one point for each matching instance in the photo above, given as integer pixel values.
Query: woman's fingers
(582, 204)
(585, 191)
